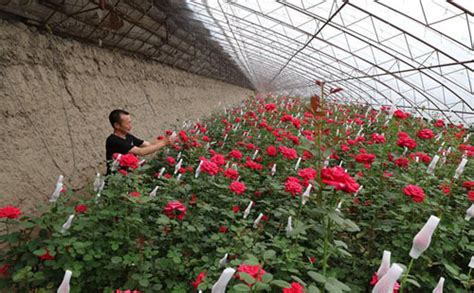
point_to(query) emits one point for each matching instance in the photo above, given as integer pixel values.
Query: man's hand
(172, 137)
(163, 141)
(151, 148)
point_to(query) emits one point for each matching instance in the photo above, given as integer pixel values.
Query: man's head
(120, 121)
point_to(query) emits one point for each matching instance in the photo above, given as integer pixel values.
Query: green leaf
(298, 280)
(241, 288)
(313, 289)
(39, 252)
(144, 282)
(334, 285)
(281, 283)
(251, 260)
(261, 286)
(340, 244)
(116, 259)
(269, 254)
(164, 220)
(28, 224)
(247, 278)
(344, 252)
(412, 281)
(351, 226)
(114, 246)
(454, 271)
(336, 219)
(317, 277)
(267, 278)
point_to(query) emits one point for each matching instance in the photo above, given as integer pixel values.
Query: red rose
(375, 279)
(307, 173)
(439, 123)
(387, 174)
(296, 123)
(231, 173)
(295, 288)
(294, 139)
(270, 107)
(210, 168)
(46, 256)
(218, 159)
(337, 177)
(223, 229)
(175, 209)
(193, 200)
(286, 117)
(445, 188)
(10, 212)
(421, 156)
(468, 185)
(236, 154)
(135, 194)
(237, 187)
(272, 151)
(199, 280)
(402, 162)
(255, 271)
(345, 148)
(293, 186)
(236, 209)
(250, 146)
(128, 161)
(123, 172)
(378, 138)
(400, 114)
(404, 140)
(307, 155)
(253, 165)
(425, 134)
(4, 270)
(470, 195)
(81, 208)
(415, 192)
(171, 161)
(183, 136)
(288, 153)
(367, 159)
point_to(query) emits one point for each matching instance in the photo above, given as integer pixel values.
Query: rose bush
(229, 194)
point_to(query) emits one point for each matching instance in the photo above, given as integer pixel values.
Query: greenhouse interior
(294, 146)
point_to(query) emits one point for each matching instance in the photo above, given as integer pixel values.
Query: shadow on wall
(56, 98)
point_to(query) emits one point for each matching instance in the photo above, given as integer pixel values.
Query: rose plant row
(277, 194)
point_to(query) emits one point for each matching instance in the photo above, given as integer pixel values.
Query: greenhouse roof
(418, 55)
(415, 54)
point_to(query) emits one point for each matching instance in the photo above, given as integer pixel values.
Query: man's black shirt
(116, 144)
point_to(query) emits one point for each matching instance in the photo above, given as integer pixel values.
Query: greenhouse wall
(56, 97)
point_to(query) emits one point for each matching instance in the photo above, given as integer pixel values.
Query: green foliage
(129, 243)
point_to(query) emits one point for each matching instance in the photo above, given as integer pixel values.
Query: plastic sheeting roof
(415, 54)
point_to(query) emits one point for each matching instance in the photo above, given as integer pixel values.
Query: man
(122, 142)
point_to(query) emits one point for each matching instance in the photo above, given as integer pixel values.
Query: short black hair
(114, 116)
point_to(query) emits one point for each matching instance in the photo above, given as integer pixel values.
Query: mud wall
(56, 95)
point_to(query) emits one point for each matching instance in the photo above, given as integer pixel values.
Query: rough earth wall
(56, 95)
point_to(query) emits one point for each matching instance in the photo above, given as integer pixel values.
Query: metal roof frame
(408, 65)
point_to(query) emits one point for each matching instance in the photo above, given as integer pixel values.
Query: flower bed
(292, 197)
